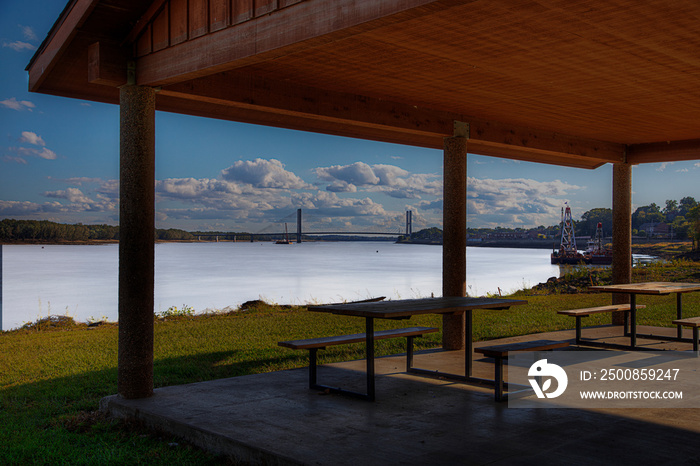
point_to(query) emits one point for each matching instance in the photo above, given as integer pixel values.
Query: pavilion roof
(570, 83)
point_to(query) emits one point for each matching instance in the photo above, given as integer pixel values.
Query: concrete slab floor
(274, 418)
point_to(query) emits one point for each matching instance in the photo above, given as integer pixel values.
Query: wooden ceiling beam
(306, 24)
(312, 109)
(667, 151)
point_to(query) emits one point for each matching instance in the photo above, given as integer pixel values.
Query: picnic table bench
(314, 344)
(585, 312)
(693, 322)
(500, 353)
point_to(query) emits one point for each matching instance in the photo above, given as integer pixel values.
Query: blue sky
(59, 162)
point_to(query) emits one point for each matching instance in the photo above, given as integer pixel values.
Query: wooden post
(454, 240)
(136, 240)
(622, 233)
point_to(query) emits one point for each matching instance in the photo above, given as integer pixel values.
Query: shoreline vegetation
(54, 372)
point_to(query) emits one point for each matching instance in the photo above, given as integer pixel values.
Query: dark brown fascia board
(665, 151)
(58, 40)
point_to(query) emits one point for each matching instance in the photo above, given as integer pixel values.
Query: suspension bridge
(318, 228)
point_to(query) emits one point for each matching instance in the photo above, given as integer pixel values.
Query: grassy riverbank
(53, 376)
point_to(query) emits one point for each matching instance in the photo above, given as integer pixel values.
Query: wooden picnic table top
(409, 307)
(656, 288)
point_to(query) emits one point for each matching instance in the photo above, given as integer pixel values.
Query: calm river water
(81, 281)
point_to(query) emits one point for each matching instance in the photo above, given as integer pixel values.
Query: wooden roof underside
(570, 83)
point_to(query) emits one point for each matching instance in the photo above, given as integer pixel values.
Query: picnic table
(650, 288)
(405, 309)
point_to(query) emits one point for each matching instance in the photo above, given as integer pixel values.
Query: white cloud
(340, 186)
(518, 202)
(662, 166)
(44, 152)
(73, 195)
(262, 173)
(78, 180)
(28, 33)
(358, 173)
(19, 46)
(10, 158)
(389, 179)
(10, 208)
(32, 138)
(18, 105)
(79, 202)
(47, 154)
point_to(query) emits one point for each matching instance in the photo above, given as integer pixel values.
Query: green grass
(53, 374)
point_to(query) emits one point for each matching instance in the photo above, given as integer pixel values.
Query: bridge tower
(409, 223)
(298, 225)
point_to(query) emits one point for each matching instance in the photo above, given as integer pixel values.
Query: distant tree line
(46, 231)
(682, 218)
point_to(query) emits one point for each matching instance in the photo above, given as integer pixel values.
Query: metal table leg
(633, 320)
(468, 345)
(679, 313)
(369, 333)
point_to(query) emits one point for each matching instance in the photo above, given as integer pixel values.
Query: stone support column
(622, 233)
(454, 244)
(136, 240)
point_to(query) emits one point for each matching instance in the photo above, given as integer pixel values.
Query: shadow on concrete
(274, 418)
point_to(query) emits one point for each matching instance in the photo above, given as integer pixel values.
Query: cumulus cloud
(80, 202)
(17, 208)
(32, 138)
(390, 175)
(40, 150)
(662, 166)
(329, 204)
(340, 186)
(518, 202)
(358, 173)
(73, 195)
(192, 188)
(18, 105)
(389, 179)
(23, 208)
(262, 173)
(44, 152)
